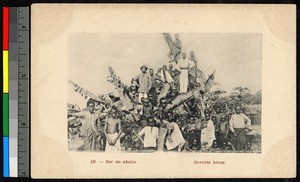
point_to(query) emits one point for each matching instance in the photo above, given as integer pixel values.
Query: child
(229, 147)
(207, 132)
(216, 124)
(223, 129)
(248, 146)
(215, 147)
(194, 146)
(150, 135)
(193, 132)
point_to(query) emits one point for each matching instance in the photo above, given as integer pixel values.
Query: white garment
(113, 148)
(208, 134)
(176, 137)
(239, 121)
(183, 65)
(151, 135)
(169, 78)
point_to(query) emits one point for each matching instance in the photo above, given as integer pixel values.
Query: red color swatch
(5, 27)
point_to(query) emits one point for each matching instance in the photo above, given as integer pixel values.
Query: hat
(144, 66)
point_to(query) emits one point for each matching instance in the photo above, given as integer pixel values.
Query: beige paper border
(52, 23)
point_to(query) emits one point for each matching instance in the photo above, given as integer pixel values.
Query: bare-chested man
(112, 130)
(89, 130)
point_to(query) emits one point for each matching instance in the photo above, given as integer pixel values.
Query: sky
(236, 57)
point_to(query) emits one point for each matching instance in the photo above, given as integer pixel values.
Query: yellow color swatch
(5, 71)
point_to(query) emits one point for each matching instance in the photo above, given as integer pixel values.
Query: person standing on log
(144, 82)
(183, 65)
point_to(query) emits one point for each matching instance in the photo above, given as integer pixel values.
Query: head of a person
(114, 112)
(248, 145)
(206, 111)
(164, 67)
(170, 116)
(151, 121)
(145, 102)
(223, 145)
(132, 89)
(170, 66)
(151, 97)
(198, 113)
(215, 144)
(183, 54)
(218, 110)
(151, 71)
(192, 120)
(163, 102)
(90, 105)
(238, 109)
(194, 142)
(207, 116)
(176, 36)
(144, 69)
(223, 118)
(192, 54)
(213, 118)
(174, 92)
(229, 146)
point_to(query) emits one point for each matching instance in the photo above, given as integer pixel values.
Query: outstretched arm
(78, 115)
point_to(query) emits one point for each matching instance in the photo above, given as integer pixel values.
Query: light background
(236, 57)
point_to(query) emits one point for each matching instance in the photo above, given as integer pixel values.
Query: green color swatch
(5, 115)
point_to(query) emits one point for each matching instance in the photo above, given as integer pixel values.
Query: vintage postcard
(163, 91)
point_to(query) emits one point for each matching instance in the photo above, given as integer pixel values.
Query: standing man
(88, 130)
(174, 137)
(237, 124)
(193, 58)
(176, 48)
(150, 133)
(144, 82)
(153, 85)
(113, 131)
(183, 65)
(167, 80)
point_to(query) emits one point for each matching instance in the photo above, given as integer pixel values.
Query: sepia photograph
(164, 92)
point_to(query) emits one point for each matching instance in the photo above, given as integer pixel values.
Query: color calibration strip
(13, 92)
(16, 92)
(6, 169)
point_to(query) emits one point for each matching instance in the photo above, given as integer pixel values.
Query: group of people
(163, 114)
(174, 77)
(158, 126)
